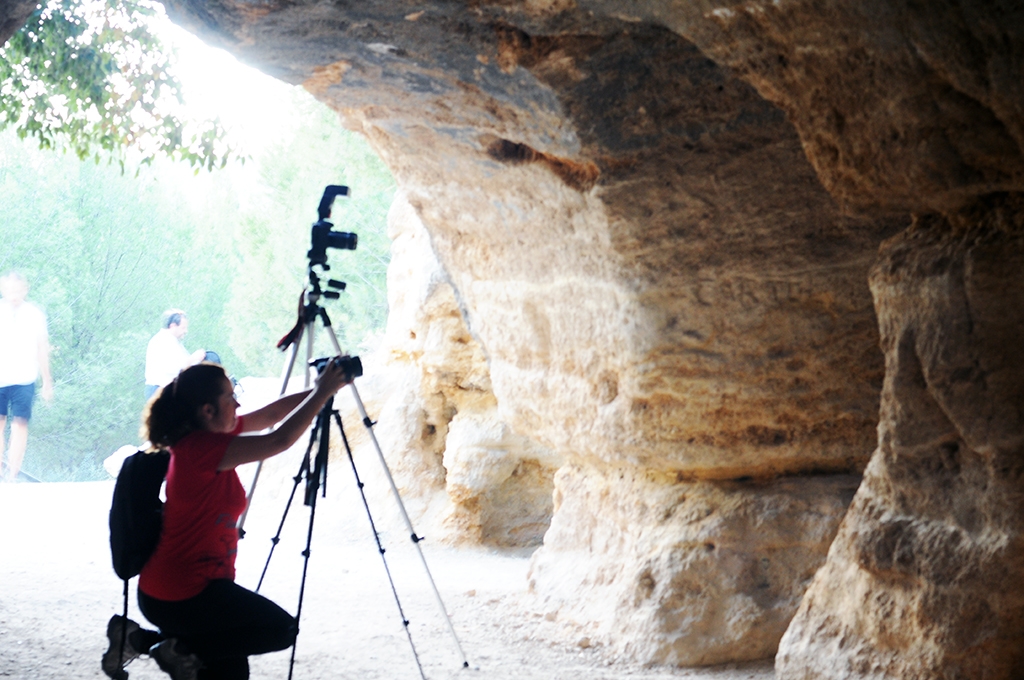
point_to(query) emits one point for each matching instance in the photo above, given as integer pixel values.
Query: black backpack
(136, 511)
(136, 516)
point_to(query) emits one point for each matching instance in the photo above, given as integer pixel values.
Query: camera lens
(352, 366)
(342, 240)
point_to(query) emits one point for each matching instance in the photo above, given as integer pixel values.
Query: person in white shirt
(166, 355)
(24, 357)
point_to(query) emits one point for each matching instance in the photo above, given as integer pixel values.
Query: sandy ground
(57, 591)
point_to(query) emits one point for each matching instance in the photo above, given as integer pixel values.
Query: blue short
(20, 399)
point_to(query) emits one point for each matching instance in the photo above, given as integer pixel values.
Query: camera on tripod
(323, 236)
(314, 469)
(352, 366)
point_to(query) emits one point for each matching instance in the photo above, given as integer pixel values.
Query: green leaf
(92, 77)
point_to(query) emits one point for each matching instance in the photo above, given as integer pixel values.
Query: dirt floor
(57, 591)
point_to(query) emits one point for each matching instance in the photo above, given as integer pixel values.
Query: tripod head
(314, 291)
(309, 306)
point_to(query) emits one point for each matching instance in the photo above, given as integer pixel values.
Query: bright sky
(255, 109)
(253, 106)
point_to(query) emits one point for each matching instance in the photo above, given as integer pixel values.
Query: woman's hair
(173, 411)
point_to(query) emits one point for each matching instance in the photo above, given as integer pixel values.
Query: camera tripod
(315, 471)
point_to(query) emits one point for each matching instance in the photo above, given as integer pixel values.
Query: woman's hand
(332, 378)
(248, 449)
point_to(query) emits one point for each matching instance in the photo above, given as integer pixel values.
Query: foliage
(90, 76)
(272, 240)
(84, 235)
(105, 253)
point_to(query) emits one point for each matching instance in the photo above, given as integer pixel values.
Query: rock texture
(13, 15)
(899, 104)
(654, 223)
(684, 573)
(440, 426)
(921, 581)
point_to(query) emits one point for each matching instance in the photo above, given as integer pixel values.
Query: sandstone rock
(685, 573)
(641, 215)
(632, 234)
(500, 483)
(915, 106)
(443, 438)
(13, 15)
(633, 239)
(920, 582)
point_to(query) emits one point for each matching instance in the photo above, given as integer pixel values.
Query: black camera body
(352, 366)
(323, 235)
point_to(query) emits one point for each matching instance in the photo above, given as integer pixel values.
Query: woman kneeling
(211, 624)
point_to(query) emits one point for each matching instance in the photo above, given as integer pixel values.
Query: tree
(90, 76)
(106, 252)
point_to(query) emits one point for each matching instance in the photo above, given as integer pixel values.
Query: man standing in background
(24, 357)
(166, 356)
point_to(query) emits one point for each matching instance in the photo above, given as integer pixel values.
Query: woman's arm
(272, 413)
(247, 449)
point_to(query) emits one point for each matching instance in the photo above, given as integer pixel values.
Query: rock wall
(920, 582)
(683, 573)
(661, 286)
(440, 430)
(899, 104)
(655, 221)
(918, 108)
(13, 15)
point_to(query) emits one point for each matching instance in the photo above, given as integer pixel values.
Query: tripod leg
(323, 429)
(285, 378)
(408, 522)
(380, 547)
(302, 586)
(303, 472)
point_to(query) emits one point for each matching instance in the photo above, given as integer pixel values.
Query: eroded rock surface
(921, 581)
(684, 573)
(899, 104)
(13, 15)
(636, 213)
(441, 428)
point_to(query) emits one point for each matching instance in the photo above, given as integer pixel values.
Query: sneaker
(115, 659)
(173, 662)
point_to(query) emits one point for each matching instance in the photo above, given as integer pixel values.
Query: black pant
(223, 625)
